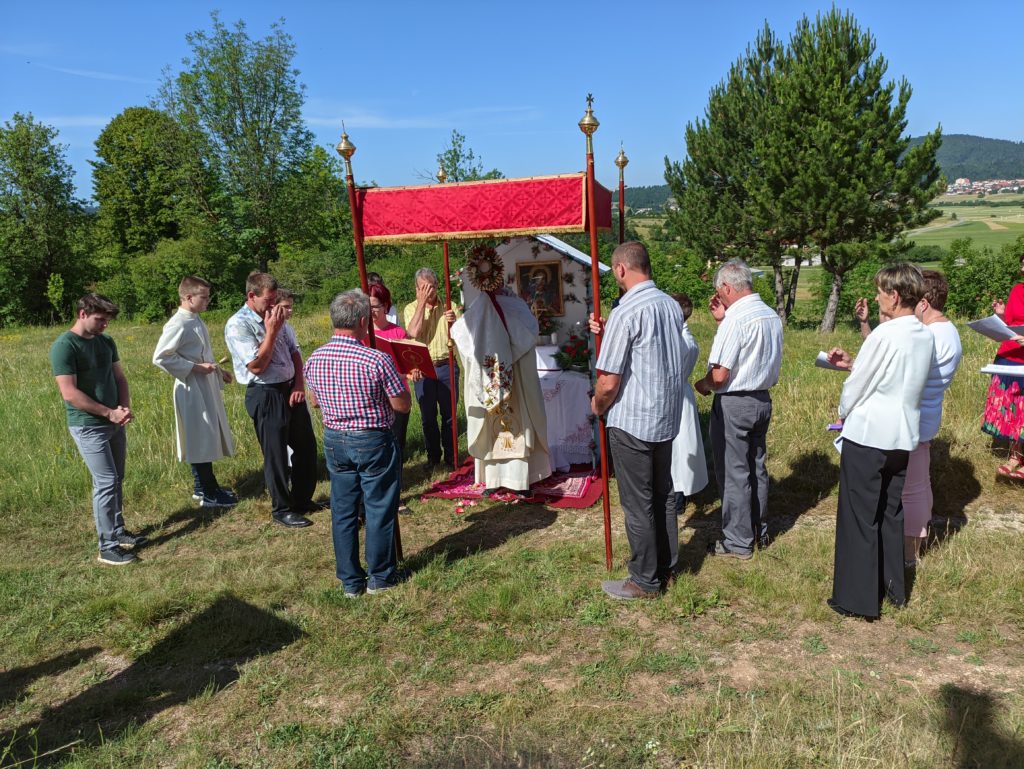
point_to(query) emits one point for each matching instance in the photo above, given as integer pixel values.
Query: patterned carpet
(580, 487)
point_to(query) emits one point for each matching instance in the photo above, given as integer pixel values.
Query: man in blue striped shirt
(639, 392)
(744, 363)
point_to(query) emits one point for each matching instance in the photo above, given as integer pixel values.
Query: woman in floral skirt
(1004, 408)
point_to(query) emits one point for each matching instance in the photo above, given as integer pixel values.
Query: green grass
(231, 646)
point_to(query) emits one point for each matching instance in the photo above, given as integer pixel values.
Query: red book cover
(408, 354)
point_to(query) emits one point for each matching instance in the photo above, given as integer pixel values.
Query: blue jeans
(364, 467)
(103, 448)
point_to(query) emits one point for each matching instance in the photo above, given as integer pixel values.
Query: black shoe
(846, 612)
(117, 556)
(312, 507)
(128, 540)
(293, 520)
(763, 542)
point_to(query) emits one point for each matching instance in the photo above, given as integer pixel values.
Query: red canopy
(492, 208)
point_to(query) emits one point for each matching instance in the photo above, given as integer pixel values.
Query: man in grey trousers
(639, 390)
(743, 365)
(95, 392)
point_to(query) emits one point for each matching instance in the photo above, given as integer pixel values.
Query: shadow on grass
(488, 529)
(953, 482)
(202, 656)
(811, 479)
(13, 683)
(193, 519)
(954, 487)
(970, 723)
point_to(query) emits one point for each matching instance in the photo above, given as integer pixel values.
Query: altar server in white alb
(506, 422)
(203, 434)
(689, 468)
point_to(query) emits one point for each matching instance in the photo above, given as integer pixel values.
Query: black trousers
(435, 397)
(278, 427)
(644, 474)
(869, 529)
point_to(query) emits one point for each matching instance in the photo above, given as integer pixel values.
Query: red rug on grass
(580, 487)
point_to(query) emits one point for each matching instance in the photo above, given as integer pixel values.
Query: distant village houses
(964, 186)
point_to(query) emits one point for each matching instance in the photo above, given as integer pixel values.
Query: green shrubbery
(978, 275)
(681, 270)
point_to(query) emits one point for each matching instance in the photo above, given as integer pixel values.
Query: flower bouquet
(574, 354)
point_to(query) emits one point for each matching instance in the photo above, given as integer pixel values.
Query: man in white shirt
(744, 363)
(881, 408)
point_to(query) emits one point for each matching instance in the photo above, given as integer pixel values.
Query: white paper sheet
(992, 368)
(822, 361)
(994, 328)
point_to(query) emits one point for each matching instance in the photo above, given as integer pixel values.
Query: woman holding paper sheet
(880, 404)
(1004, 407)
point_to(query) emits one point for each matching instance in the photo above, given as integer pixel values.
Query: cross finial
(590, 100)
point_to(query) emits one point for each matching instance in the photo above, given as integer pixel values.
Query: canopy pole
(442, 177)
(347, 149)
(622, 161)
(588, 125)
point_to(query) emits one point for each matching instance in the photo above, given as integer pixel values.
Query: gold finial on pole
(346, 149)
(442, 175)
(588, 123)
(621, 161)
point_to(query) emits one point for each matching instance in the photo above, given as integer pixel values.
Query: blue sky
(512, 77)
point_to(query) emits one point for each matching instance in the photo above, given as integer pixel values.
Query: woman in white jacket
(881, 408)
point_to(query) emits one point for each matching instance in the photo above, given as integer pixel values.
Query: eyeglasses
(376, 307)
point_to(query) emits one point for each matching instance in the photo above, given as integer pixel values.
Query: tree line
(217, 176)
(800, 151)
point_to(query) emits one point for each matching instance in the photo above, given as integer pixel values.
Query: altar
(567, 405)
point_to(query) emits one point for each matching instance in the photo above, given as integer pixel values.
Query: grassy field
(230, 645)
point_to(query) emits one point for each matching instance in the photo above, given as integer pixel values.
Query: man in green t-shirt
(95, 393)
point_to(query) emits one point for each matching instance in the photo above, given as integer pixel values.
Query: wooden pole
(346, 149)
(622, 161)
(589, 125)
(452, 380)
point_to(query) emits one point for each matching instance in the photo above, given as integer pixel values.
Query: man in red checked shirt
(358, 390)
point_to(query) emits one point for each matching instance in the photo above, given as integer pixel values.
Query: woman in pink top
(380, 301)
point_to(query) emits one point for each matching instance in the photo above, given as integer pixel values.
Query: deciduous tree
(41, 223)
(244, 98)
(461, 164)
(143, 180)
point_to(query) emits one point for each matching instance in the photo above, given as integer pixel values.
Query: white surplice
(689, 468)
(502, 392)
(203, 433)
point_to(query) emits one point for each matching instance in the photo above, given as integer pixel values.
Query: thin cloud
(94, 75)
(358, 117)
(75, 121)
(30, 50)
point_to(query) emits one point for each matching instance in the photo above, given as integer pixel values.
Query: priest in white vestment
(507, 425)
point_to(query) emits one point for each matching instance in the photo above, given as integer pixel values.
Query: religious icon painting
(540, 286)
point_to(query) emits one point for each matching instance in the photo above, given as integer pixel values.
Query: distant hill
(976, 157)
(960, 155)
(644, 197)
